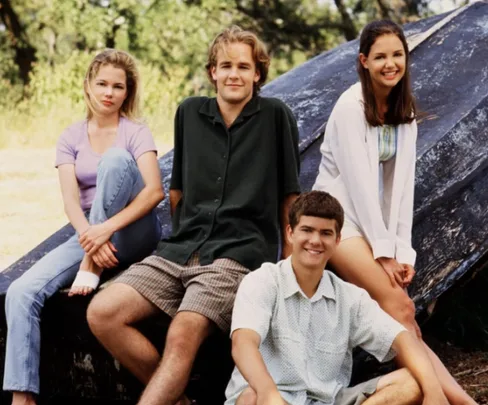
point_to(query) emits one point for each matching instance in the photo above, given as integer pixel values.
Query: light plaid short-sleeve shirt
(307, 343)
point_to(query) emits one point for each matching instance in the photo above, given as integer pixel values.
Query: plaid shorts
(209, 290)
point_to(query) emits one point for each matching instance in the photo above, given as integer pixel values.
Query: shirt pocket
(289, 358)
(327, 360)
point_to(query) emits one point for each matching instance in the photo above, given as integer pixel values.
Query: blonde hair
(122, 60)
(237, 34)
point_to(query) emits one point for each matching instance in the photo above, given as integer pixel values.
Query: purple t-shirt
(74, 148)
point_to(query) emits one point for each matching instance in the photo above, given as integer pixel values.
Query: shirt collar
(291, 287)
(211, 109)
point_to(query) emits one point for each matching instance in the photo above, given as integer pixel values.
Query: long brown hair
(122, 60)
(237, 34)
(401, 103)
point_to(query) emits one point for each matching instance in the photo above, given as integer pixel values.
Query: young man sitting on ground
(295, 324)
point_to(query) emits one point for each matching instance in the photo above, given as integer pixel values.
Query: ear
(213, 72)
(338, 239)
(289, 234)
(257, 76)
(363, 59)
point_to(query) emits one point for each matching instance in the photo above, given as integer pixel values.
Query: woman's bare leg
(23, 398)
(354, 262)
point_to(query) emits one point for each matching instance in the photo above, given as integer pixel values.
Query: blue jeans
(118, 183)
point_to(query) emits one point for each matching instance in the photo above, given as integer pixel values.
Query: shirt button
(216, 200)
(219, 178)
(209, 213)
(224, 156)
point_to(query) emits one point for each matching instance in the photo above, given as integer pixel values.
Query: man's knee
(247, 397)
(188, 330)
(411, 388)
(105, 309)
(404, 388)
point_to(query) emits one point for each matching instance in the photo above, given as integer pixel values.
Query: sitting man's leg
(185, 335)
(208, 301)
(142, 291)
(398, 387)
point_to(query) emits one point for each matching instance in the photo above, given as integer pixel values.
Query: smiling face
(108, 90)
(235, 73)
(385, 62)
(314, 240)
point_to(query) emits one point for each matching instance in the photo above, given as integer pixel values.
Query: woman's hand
(394, 270)
(408, 273)
(94, 237)
(104, 257)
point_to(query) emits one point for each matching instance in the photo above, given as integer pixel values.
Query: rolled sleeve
(374, 330)
(253, 306)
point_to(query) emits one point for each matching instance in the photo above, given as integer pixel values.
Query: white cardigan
(350, 171)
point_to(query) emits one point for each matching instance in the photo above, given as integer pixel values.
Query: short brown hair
(401, 103)
(317, 204)
(122, 60)
(237, 34)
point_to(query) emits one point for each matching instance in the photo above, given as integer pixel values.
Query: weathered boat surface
(450, 79)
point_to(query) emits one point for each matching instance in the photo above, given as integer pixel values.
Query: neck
(105, 121)
(381, 96)
(308, 278)
(230, 111)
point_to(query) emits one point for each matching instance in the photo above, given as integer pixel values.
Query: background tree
(46, 45)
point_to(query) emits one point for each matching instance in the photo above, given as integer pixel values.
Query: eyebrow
(383, 53)
(117, 83)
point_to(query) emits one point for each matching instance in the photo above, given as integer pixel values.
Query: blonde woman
(110, 183)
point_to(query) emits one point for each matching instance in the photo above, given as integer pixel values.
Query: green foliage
(169, 38)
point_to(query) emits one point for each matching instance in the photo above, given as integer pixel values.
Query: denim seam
(119, 186)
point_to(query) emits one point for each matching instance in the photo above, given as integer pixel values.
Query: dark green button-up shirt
(233, 181)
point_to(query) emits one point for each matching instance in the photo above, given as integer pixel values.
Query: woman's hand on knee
(394, 270)
(104, 257)
(408, 272)
(94, 237)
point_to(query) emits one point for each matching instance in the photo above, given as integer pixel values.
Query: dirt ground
(470, 368)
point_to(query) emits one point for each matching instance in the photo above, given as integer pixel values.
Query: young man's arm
(174, 198)
(248, 359)
(415, 359)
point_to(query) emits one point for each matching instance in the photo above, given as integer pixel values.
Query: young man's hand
(271, 398)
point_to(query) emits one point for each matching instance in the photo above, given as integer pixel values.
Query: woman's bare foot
(23, 398)
(87, 265)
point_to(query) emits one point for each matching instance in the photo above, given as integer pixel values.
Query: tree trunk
(25, 53)
(348, 29)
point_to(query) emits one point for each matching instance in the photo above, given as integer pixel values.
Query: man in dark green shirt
(235, 173)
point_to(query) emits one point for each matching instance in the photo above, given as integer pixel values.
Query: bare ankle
(87, 264)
